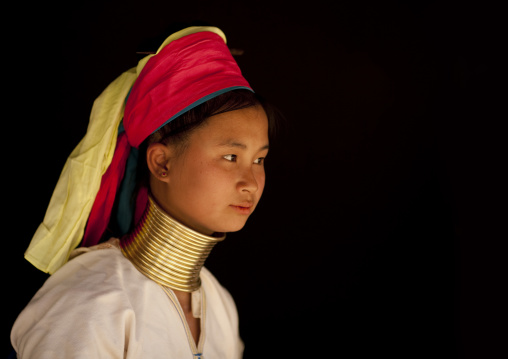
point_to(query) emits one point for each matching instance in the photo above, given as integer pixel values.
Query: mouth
(242, 208)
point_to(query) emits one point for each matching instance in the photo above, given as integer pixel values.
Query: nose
(248, 181)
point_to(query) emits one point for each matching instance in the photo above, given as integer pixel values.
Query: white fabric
(98, 305)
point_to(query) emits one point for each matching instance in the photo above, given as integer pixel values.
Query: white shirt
(98, 305)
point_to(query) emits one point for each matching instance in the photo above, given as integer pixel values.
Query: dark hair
(177, 131)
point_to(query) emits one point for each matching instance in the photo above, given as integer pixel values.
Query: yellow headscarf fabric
(64, 222)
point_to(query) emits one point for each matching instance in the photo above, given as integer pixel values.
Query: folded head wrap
(191, 67)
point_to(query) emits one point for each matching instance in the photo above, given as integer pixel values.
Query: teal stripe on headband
(203, 100)
(126, 201)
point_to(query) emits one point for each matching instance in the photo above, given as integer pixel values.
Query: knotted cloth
(190, 67)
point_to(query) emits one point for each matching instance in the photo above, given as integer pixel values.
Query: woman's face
(216, 182)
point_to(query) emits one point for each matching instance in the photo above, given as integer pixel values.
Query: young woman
(171, 162)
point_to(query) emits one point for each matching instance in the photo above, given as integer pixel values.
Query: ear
(158, 158)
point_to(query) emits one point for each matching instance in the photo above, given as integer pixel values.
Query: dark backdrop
(379, 231)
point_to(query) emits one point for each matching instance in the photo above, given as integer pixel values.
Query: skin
(214, 184)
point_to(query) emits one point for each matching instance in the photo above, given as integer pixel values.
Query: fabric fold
(64, 222)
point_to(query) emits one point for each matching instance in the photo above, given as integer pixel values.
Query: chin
(232, 227)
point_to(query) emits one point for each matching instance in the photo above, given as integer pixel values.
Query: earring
(164, 174)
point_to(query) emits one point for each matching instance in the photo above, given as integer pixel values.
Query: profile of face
(216, 181)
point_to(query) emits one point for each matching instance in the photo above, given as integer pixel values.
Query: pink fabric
(141, 203)
(105, 199)
(184, 73)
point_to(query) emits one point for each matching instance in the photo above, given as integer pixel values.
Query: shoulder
(211, 284)
(91, 280)
(222, 318)
(104, 265)
(217, 295)
(90, 302)
(99, 275)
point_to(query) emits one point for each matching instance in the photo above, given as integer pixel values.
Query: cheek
(208, 183)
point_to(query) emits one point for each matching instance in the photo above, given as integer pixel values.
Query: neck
(166, 251)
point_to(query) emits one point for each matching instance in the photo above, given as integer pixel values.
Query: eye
(259, 161)
(231, 158)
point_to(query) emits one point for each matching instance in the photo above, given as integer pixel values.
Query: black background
(381, 226)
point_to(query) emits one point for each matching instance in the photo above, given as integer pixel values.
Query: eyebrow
(233, 143)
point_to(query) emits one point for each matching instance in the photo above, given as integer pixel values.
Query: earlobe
(158, 161)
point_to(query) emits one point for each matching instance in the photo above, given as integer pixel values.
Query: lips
(242, 208)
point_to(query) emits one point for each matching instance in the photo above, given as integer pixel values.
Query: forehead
(248, 124)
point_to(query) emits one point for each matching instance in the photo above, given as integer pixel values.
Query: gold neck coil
(166, 251)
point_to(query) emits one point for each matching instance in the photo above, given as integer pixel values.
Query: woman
(172, 160)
